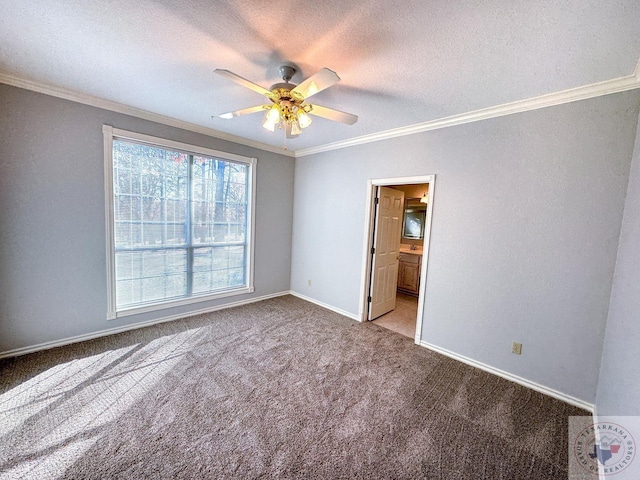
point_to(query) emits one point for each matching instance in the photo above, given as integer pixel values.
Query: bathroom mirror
(414, 217)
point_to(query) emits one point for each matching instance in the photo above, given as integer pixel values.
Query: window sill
(152, 307)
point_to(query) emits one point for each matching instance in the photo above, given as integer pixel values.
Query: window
(179, 223)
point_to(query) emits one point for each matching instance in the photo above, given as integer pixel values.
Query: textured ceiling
(400, 63)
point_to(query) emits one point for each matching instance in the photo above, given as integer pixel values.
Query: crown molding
(616, 85)
(607, 87)
(98, 102)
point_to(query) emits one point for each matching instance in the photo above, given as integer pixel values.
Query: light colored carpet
(276, 389)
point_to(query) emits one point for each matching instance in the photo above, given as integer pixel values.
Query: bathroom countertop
(409, 251)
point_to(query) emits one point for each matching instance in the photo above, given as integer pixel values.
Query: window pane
(219, 201)
(145, 276)
(218, 268)
(150, 191)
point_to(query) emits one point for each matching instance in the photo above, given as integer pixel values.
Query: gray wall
(619, 386)
(52, 238)
(526, 220)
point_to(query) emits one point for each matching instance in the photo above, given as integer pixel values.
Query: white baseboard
(111, 331)
(327, 306)
(576, 402)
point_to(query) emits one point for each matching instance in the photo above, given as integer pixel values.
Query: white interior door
(386, 251)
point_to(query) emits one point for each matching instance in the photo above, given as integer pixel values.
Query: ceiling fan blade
(335, 115)
(317, 82)
(243, 81)
(244, 111)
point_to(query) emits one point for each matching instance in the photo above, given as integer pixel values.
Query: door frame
(369, 222)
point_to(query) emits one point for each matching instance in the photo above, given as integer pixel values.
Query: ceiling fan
(289, 108)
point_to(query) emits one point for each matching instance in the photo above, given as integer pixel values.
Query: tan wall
(412, 191)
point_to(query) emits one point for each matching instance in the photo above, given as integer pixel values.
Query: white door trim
(368, 243)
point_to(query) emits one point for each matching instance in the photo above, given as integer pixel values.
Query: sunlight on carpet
(80, 396)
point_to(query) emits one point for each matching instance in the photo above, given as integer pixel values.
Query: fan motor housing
(282, 93)
(282, 86)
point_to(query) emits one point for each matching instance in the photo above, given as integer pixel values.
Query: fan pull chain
(284, 139)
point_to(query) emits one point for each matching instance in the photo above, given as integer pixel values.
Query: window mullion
(189, 226)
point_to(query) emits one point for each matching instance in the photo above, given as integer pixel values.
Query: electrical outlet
(516, 348)
(309, 282)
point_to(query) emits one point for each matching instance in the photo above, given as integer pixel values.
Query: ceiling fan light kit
(289, 110)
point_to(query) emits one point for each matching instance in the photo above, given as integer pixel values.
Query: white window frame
(109, 134)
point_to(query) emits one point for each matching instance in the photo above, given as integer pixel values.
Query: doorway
(406, 314)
